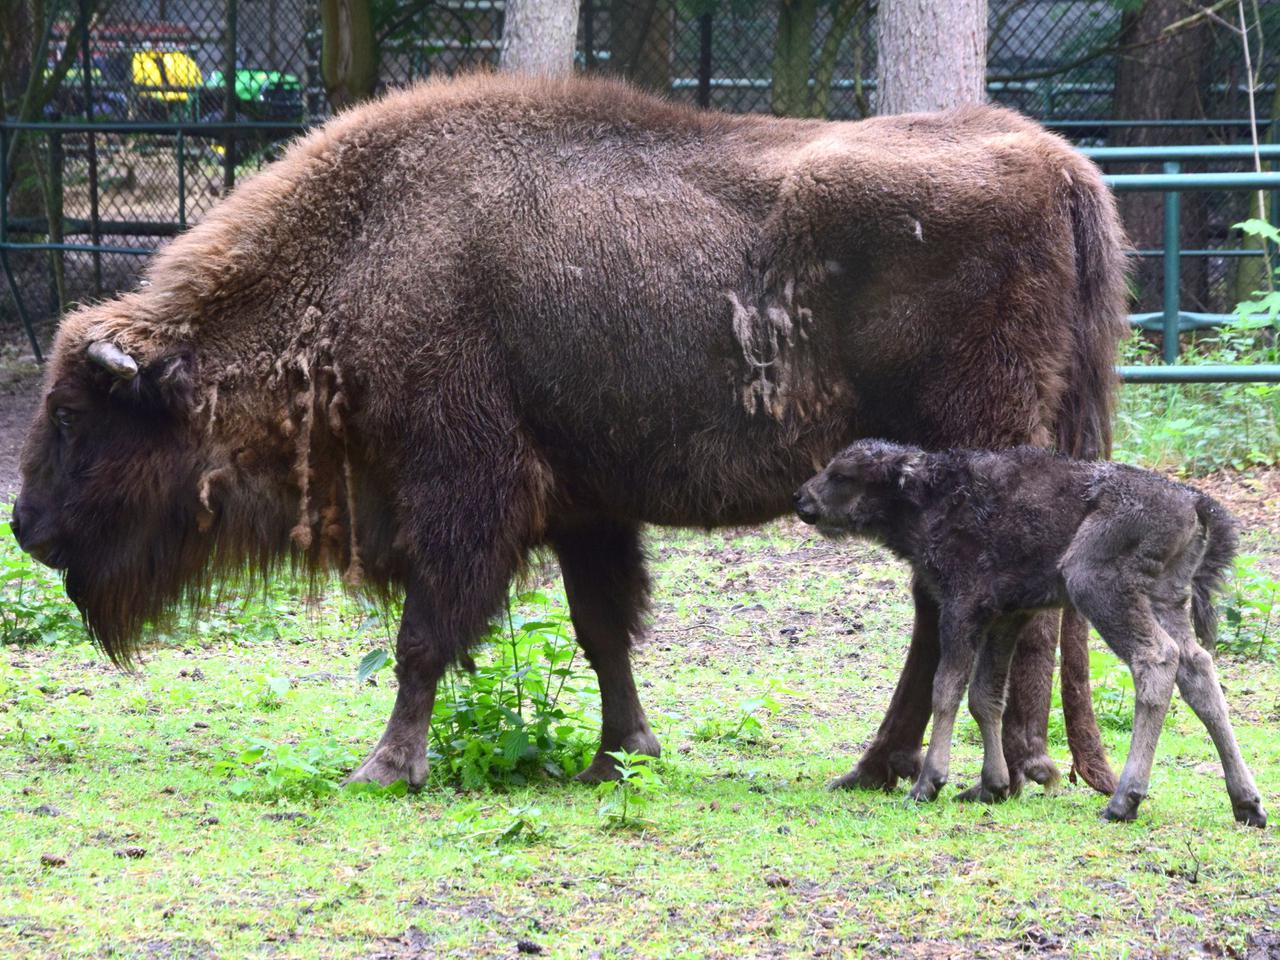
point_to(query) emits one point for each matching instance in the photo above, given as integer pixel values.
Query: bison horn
(112, 358)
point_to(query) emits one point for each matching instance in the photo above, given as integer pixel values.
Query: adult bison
(482, 316)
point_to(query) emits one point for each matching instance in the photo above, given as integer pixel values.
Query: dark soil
(19, 395)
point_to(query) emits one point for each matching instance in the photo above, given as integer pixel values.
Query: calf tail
(1084, 423)
(1219, 553)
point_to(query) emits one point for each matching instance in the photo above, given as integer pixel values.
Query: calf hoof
(391, 763)
(603, 767)
(925, 790)
(984, 793)
(1250, 813)
(1122, 809)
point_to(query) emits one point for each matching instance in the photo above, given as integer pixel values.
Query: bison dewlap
(996, 536)
(482, 316)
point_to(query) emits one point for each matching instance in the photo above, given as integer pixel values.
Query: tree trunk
(930, 55)
(1160, 78)
(791, 53)
(539, 36)
(640, 43)
(349, 52)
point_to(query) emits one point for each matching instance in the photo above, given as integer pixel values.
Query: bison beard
(480, 317)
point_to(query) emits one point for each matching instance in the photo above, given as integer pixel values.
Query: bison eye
(64, 417)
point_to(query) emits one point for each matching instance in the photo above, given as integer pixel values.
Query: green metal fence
(1172, 321)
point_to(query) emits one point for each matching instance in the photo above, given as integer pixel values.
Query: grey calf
(996, 536)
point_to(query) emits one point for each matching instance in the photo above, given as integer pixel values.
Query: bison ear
(166, 383)
(889, 463)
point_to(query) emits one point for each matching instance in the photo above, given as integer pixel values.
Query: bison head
(853, 494)
(110, 485)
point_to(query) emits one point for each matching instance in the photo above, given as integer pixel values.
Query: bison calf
(997, 536)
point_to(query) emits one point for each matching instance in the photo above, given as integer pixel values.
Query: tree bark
(640, 43)
(1160, 78)
(349, 52)
(791, 54)
(931, 55)
(539, 36)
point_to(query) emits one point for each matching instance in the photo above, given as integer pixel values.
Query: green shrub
(1247, 612)
(34, 608)
(519, 716)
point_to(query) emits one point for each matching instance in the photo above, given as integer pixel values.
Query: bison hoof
(390, 764)
(925, 790)
(1250, 813)
(880, 773)
(984, 793)
(604, 767)
(1122, 809)
(1039, 769)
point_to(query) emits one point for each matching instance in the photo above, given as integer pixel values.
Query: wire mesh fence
(189, 96)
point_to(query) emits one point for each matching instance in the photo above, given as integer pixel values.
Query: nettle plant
(519, 716)
(1250, 611)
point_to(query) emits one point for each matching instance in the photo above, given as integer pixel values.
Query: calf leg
(959, 643)
(986, 703)
(895, 750)
(1198, 682)
(604, 580)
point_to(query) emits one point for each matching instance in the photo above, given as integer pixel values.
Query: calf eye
(64, 417)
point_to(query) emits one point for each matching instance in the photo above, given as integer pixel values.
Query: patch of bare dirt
(19, 395)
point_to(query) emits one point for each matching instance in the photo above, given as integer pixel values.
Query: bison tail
(1219, 553)
(1084, 424)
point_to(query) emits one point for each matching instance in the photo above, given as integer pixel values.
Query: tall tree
(1160, 76)
(349, 51)
(794, 48)
(539, 36)
(640, 42)
(930, 55)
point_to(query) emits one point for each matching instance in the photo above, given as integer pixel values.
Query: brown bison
(478, 317)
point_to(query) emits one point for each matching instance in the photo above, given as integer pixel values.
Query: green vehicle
(260, 95)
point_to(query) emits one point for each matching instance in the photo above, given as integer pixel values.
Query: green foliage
(623, 800)
(265, 770)
(33, 607)
(747, 726)
(519, 715)
(1113, 699)
(1247, 611)
(1199, 428)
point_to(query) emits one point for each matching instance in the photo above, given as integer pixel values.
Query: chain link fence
(189, 96)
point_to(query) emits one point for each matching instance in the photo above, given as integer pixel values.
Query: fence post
(4, 244)
(229, 104)
(704, 60)
(1172, 267)
(86, 85)
(182, 181)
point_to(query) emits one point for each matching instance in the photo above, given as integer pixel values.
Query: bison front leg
(895, 750)
(422, 656)
(603, 569)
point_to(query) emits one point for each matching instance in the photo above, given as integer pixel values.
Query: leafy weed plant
(625, 799)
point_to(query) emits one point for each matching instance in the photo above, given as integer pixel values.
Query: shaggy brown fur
(997, 536)
(479, 316)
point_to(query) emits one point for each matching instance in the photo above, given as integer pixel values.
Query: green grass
(1198, 428)
(738, 852)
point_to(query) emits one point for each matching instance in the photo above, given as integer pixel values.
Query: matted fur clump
(477, 317)
(997, 536)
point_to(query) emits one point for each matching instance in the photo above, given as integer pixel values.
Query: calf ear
(892, 465)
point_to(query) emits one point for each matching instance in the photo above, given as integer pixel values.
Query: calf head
(109, 481)
(856, 490)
